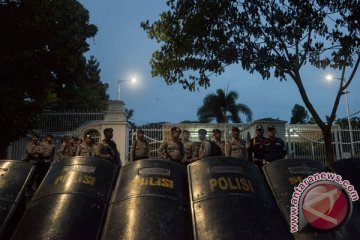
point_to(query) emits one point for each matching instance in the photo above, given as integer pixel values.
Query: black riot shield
(14, 177)
(349, 169)
(229, 200)
(71, 202)
(285, 178)
(149, 202)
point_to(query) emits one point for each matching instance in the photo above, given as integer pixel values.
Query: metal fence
(303, 140)
(154, 135)
(66, 121)
(57, 124)
(307, 141)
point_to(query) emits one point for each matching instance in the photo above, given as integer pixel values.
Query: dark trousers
(30, 186)
(43, 168)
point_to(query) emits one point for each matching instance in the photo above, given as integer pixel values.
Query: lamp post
(330, 77)
(133, 80)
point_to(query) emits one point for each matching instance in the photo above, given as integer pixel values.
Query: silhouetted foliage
(299, 115)
(273, 38)
(217, 106)
(41, 50)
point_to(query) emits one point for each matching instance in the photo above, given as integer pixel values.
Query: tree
(88, 93)
(217, 106)
(272, 38)
(129, 115)
(41, 50)
(299, 115)
(354, 121)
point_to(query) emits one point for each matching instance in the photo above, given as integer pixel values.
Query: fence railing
(303, 140)
(306, 141)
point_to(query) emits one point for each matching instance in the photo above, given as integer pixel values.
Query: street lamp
(329, 78)
(133, 80)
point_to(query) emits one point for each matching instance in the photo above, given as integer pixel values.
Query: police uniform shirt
(140, 149)
(67, 151)
(205, 149)
(221, 145)
(33, 150)
(256, 148)
(169, 149)
(235, 148)
(189, 150)
(274, 148)
(47, 150)
(85, 150)
(107, 149)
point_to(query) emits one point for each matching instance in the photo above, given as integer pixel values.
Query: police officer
(190, 149)
(217, 146)
(107, 148)
(86, 148)
(255, 149)
(172, 149)
(140, 147)
(46, 157)
(33, 150)
(205, 145)
(274, 147)
(67, 148)
(235, 147)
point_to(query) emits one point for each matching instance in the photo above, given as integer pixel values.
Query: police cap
(175, 129)
(202, 131)
(235, 129)
(216, 130)
(259, 128)
(139, 131)
(108, 130)
(271, 128)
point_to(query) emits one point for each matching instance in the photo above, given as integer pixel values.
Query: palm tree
(217, 106)
(129, 114)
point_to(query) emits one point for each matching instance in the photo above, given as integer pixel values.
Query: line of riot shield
(303, 196)
(150, 201)
(71, 202)
(229, 200)
(14, 178)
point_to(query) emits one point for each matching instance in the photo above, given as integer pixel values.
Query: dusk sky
(123, 50)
